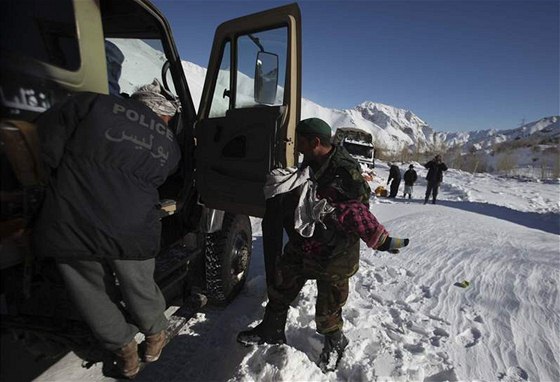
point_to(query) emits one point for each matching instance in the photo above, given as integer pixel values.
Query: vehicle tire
(227, 257)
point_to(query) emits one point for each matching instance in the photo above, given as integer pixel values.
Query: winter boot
(333, 350)
(426, 200)
(434, 201)
(270, 330)
(127, 360)
(154, 346)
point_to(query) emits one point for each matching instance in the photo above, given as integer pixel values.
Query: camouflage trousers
(292, 272)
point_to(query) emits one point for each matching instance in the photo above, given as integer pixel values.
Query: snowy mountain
(392, 128)
(396, 128)
(545, 130)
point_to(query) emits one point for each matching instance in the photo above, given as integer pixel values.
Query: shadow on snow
(549, 222)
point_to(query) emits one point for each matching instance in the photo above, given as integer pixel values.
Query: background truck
(359, 144)
(244, 127)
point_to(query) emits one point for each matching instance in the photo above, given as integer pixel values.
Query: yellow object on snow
(381, 191)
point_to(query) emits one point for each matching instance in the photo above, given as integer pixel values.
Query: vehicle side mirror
(266, 78)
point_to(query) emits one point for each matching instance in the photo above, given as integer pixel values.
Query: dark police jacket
(106, 157)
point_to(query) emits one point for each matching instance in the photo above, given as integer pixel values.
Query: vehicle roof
(130, 18)
(353, 129)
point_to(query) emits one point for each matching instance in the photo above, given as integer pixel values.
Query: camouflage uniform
(331, 257)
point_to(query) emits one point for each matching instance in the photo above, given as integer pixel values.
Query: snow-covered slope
(392, 128)
(544, 129)
(402, 125)
(405, 317)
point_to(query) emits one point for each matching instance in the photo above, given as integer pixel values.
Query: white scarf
(310, 209)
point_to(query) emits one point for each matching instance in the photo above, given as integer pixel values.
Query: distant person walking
(410, 177)
(435, 176)
(394, 179)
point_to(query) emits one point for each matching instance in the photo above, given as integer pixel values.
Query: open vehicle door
(249, 109)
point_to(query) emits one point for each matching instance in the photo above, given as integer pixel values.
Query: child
(409, 179)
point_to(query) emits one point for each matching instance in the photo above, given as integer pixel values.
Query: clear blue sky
(458, 65)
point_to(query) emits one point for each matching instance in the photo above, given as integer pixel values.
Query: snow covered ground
(405, 317)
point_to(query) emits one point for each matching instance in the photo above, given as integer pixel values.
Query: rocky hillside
(544, 131)
(395, 129)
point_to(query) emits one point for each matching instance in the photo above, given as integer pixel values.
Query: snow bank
(406, 318)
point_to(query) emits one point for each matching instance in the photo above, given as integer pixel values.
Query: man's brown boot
(154, 346)
(127, 360)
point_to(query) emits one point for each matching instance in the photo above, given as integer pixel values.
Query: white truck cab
(359, 144)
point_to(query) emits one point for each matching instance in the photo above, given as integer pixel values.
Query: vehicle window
(220, 99)
(143, 61)
(50, 31)
(359, 150)
(273, 42)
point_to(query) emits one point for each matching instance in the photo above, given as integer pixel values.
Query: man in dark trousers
(410, 177)
(106, 157)
(434, 177)
(395, 177)
(330, 255)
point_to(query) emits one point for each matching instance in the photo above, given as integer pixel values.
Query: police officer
(106, 157)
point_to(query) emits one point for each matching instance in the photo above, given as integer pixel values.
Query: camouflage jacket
(330, 249)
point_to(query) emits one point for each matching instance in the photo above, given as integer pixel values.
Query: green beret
(313, 126)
